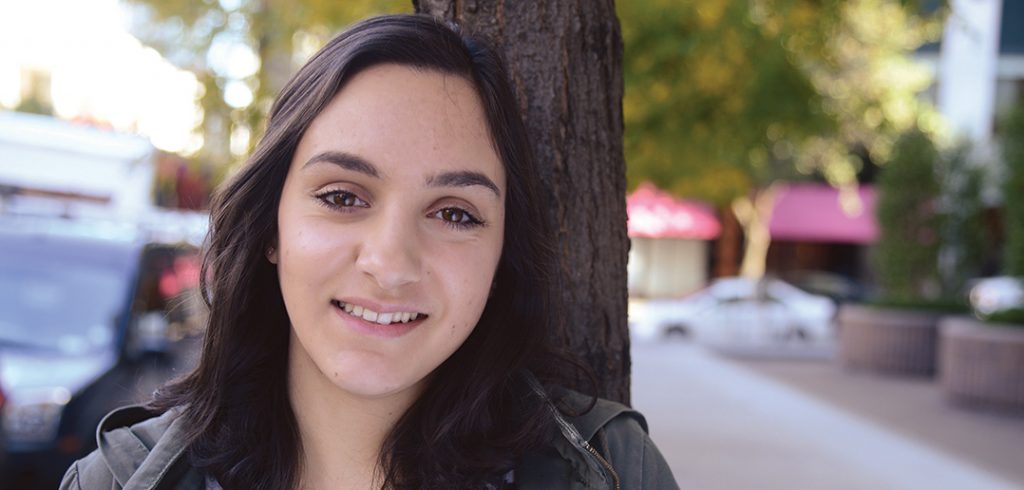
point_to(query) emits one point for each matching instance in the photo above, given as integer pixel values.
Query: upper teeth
(381, 318)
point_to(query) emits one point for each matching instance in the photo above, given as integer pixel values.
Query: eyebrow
(344, 160)
(463, 178)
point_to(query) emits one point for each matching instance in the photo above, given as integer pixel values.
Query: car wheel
(677, 331)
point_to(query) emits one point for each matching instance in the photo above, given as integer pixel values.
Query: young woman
(376, 276)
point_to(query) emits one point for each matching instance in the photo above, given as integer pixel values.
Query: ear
(272, 253)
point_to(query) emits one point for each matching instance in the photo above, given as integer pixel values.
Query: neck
(341, 433)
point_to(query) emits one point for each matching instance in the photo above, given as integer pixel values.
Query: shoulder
(137, 448)
(612, 447)
(86, 473)
(601, 415)
(625, 441)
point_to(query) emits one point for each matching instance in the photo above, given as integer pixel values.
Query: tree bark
(754, 214)
(565, 60)
(726, 261)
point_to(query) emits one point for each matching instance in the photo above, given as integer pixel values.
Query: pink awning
(654, 213)
(814, 213)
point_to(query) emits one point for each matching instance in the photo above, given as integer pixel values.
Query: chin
(368, 382)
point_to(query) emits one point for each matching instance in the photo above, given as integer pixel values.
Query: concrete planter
(888, 340)
(982, 364)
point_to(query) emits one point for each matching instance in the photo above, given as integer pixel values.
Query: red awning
(654, 213)
(814, 213)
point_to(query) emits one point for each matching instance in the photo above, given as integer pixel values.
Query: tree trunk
(754, 214)
(726, 262)
(565, 59)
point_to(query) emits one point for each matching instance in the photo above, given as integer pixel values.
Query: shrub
(1013, 316)
(1013, 192)
(906, 255)
(965, 239)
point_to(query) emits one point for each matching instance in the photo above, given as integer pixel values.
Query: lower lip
(390, 331)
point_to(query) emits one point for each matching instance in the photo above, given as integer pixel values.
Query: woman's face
(390, 230)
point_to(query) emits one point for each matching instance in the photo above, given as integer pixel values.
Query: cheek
(301, 243)
(469, 276)
(310, 253)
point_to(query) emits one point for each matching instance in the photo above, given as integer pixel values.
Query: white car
(737, 310)
(994, 294)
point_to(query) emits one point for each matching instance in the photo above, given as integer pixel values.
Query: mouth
(388, 318)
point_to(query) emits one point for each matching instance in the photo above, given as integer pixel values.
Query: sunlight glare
(98, 71)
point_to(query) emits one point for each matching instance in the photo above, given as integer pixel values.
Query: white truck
(53, 168)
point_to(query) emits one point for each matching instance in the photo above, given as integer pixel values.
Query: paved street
(733, 424)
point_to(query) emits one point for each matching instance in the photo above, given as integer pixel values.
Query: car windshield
(54, 302)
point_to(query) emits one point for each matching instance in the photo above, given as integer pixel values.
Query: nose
(390, 252)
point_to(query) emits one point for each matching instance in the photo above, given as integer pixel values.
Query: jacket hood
(139, 446)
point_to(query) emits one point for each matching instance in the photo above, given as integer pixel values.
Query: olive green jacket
(606, 448)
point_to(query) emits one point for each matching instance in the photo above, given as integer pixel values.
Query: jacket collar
(572, 442)
(140, 446)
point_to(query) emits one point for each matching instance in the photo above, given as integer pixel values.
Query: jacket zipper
(607, 466)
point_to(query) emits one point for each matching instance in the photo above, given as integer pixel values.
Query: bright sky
(97, 69)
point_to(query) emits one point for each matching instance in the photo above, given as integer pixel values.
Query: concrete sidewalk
(730, 424)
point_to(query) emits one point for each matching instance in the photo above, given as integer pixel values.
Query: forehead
(392, 114)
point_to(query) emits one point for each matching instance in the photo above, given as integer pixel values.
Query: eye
(454, 215)
(341, 199)
(458, 218)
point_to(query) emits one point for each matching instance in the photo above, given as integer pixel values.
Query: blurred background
(826, 215)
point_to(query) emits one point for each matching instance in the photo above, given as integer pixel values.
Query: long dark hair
(476, 415)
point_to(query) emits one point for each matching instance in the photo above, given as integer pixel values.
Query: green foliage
(944, 306)
(724, 96)
(1013, 192)
(907, 251)
(202, 37)
(703, 86)
(965, 238)
(1013, 317)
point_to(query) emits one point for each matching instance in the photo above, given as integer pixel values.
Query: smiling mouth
(379, 318)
